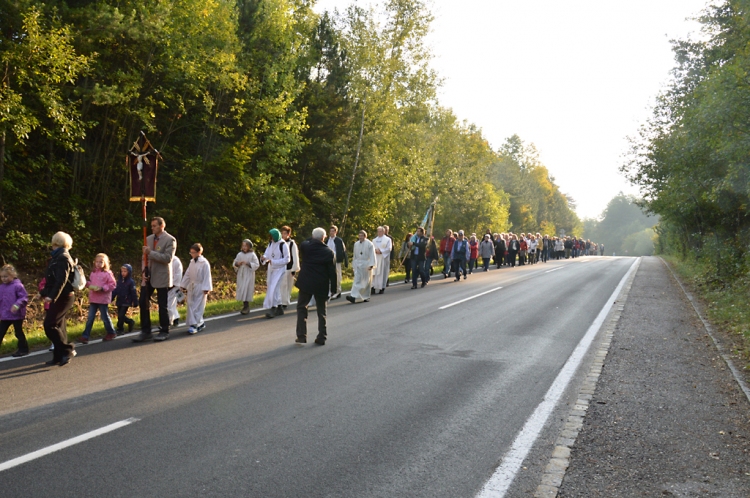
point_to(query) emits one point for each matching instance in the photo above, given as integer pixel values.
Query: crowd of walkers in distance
(314, 267)
(461, 255)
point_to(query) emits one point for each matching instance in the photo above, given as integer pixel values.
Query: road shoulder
(667, 418)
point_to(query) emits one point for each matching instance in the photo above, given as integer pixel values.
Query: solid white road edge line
(500, 482)
(65, 444)
(469, 298)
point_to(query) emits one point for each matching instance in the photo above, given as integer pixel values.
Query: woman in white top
(245, 265)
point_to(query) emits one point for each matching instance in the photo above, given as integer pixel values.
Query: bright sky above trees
(574, 78)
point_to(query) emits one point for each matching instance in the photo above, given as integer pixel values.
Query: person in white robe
(287, 281)
(245, 265)
(383, 247)
(196, 283)
(173, 297)
(363, 263)
(277, 257)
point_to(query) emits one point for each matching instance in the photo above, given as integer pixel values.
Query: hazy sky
(573, 77)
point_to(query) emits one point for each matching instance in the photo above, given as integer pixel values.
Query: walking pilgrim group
(314, 267)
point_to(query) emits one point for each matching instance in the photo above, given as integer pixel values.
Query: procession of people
(315, 266)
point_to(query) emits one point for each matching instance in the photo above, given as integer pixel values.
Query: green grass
(37, 339)
(727, 304)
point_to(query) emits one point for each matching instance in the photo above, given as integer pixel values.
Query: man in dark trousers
(317, 278)
(157, 277)
(418, 247)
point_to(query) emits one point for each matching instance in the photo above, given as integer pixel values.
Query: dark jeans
(122, 317)
(447, 267)
(512, 258)
(407, 267)
(419, 269)
(55, 325)
(459, 265)
(18, 330)
(103, 310)
(486, 263)
(473, 264)
(303, 301)
(145, 302)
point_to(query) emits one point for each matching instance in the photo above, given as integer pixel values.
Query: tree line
(266, 113)
(691, 159)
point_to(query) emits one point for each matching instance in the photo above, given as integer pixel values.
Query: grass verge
(727, 303)
(38, 340)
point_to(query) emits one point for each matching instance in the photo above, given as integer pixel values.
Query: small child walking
(125, 296)
(197, 284)
(101, 283)
(13, 301)
(245, 265)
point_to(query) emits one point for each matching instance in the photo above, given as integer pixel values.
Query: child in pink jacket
(101, 283)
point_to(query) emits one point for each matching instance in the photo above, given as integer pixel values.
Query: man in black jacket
(317, 277)
(336, 245)
(418, 246)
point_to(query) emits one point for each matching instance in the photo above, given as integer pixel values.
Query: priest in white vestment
(245, 265)
(363, 263)
(287, 281)
(383, 247)
(172, 298)
(197, 283)
(277, 257)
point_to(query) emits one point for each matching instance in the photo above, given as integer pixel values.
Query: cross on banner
(143, 162)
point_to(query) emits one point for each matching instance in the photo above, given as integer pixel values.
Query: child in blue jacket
(125, 296)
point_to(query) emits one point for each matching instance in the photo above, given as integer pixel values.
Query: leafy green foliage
(265, 113)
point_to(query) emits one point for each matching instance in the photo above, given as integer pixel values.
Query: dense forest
(623, 228)
(692, 158)
(265, 112)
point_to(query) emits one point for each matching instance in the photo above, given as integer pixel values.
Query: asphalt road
(405, 399)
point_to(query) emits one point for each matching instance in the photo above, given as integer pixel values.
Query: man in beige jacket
(157, 276)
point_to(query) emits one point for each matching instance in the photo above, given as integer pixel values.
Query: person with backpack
(59, 293)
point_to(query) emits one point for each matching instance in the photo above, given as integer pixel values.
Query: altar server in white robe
(172, 296)
(277, 257)
(287, 281)
(197, 284)
(363, 264)
(245, 265)
(383, 247)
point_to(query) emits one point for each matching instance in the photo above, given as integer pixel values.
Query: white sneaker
(51, 348)
(191, 330)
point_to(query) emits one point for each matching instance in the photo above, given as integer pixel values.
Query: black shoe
(373, 291)
(200, 327)
(413, 286)
(300, 340)
(52, 362)
(271, 313)
(131, 324)
(423, 284)
(279, 310)
(175, 322)
(381, 291)
(336, 296)
(64, 360)
(161, 336)
(143, 337)
(19, 354)
(457, 279)
(245, 308)
(119, 331)
(283, 306)
(365, 300)
(320, 342)
(351, 299)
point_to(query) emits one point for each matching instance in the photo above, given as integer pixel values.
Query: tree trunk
(2, 164)
(354, 170)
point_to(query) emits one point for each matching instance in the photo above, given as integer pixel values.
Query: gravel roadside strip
(667, 418)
